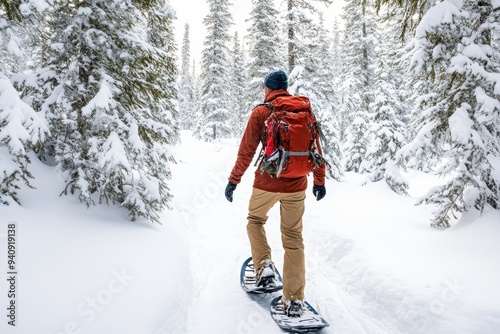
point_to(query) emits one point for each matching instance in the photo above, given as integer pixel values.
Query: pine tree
(306, 60)
(397, 62)
(10, 50)
(186, 107)
(296, 12)
(386, 129)
(21, 129)
(358, 46)
(197, 89)
(216, 94)
(356, 145)
(339, 74)
(460, 117)
(332, 124)
(109, 102)
(161, 36)
(264, 48)
(160, 109)
(239, 109)
(323, 83)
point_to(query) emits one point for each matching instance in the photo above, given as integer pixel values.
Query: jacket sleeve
(319, 173)
(248, 146)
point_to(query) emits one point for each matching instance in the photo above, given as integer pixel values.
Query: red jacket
(254, 134)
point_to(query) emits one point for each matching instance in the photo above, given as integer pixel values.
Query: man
(267, 191)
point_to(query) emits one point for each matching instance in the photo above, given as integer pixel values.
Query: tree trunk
(365, 59)
(291, 37)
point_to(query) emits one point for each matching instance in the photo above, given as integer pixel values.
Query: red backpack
(291, 147)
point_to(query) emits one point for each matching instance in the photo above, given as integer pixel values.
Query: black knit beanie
(276, 80)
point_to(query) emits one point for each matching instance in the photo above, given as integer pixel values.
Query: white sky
(193, 12)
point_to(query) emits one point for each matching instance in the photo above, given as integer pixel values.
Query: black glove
(319, 192)
(229, 191)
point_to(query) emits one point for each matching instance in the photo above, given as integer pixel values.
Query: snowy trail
(365, 273)
(219, 245)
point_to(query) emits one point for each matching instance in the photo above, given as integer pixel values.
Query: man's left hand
(319, 192)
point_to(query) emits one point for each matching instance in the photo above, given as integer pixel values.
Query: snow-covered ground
(373, 263)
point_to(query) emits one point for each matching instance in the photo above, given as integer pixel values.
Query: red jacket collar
(275, 93)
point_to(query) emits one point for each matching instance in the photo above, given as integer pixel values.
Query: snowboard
(310, 321)
(248, 280)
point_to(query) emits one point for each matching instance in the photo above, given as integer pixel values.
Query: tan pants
(291, 210)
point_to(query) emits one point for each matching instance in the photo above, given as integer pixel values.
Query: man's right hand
(229, 191)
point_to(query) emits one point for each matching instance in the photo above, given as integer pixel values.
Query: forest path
(219, 245)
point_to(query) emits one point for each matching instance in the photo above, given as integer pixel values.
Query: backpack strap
(267, 104)
(261, 152)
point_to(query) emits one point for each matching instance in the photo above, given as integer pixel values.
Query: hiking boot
(294, 308)
(266, 274)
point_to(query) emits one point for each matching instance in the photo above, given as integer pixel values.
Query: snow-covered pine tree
(21, 128)
(10, 26)
(197, 89)
(306, 58)
(323, 83)
(356, 144)
(386, 129)
(398, 61)
(161, 36)
(158, 108)
(30, 53)
(109, 103)
(239, 109)
(186, 107)
(357, 77)
(215, 73)
(294, 15)
(336, 64)
(412, 88)
(333, 122)
(265, 49)
(460, 118)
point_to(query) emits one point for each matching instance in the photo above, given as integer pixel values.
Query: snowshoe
(308, 321)
(265, 284)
